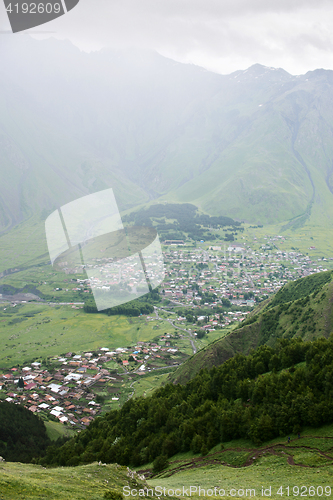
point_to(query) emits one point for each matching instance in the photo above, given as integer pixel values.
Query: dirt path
(278, 449)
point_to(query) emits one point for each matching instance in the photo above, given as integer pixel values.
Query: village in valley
(74, 388)
(207, 291)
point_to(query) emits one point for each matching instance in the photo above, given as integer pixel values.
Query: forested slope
(271, 392)
(22, 434)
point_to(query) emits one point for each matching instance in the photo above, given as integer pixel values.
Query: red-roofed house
(30, 386)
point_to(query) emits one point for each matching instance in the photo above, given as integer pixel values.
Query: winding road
(190, 334)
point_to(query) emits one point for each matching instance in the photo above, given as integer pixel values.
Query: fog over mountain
(255, 145)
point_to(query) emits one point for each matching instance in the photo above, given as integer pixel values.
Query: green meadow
(89, 482)
(147, 383)
(29, 332)
(55, 430)
(238, 466)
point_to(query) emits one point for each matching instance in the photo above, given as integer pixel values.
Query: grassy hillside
(55, 430)
(302, 308)
(236, 465)
(90, 482)
(240, 466)
(269, 393)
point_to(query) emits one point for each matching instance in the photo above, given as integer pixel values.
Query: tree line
(133, 308)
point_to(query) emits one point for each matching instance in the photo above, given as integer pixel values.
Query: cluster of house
(106, 274)
(235, 272)
(65, 390)
(216, 320)
(64, 394)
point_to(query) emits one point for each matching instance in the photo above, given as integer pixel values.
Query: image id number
(304, 491)
(34, 8)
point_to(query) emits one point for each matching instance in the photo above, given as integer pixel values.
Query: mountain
(301, 309)
(255, 145)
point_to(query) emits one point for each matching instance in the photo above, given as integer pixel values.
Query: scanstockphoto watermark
(262, 492)
(87, 236)
(24, 15)
(189, 491)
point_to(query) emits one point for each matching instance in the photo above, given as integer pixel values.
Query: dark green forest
(22, 434)
(134, 308)
(269, 393)
(186, 220)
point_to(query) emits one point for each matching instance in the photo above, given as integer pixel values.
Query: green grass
(55, 430)
(270, 471)
(213, 336)
(45, 331)
(89, 482)
(241, 465)
(24, 245)
(146, 384)
(238, 465)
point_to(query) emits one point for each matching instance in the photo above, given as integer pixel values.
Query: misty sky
(220, 35)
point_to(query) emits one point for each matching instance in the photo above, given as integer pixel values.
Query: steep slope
(279, 164)
(22, 434)
(254, 145)
(90, 482)
(303, 308)
(269, 393)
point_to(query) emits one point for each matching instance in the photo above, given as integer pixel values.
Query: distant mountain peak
(259, 70)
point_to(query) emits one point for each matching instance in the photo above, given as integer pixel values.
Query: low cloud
(221, 36)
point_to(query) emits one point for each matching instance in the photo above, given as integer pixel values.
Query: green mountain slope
(302, 308)
(254, 145)
(269, 393)
(90, 482)
(22, 434)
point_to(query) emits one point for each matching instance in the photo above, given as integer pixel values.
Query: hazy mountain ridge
(254, 145)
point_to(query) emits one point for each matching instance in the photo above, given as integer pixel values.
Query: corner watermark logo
(121, 264)
(24, 15)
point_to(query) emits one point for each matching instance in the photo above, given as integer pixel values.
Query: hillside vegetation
(23, 435)
(236, 465)
(302, 308)
(271, 392)
(90, 482)
(239, 467)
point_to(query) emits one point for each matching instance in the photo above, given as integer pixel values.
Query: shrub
(113, 495)
(160, 463)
